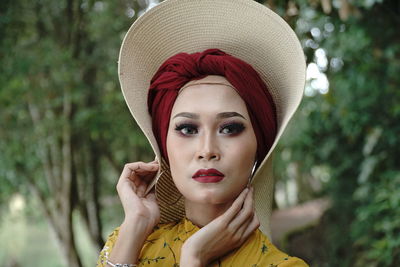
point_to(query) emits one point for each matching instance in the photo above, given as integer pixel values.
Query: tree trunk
(57, 208)
(89, 206)
(66, 240)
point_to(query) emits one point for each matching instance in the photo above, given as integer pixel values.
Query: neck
(201, 214)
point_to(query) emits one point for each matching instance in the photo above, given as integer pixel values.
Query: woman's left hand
(223, 234)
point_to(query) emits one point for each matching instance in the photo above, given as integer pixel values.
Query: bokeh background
(65, 132)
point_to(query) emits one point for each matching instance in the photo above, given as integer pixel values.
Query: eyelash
(236, 127)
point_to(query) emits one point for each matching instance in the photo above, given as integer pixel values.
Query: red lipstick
(208, 176)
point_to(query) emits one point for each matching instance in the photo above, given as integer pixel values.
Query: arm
(141, 212)
(132, 234)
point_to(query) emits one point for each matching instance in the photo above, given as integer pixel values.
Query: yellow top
(163, 247)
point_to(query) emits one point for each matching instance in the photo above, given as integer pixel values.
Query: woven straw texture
(242, 28)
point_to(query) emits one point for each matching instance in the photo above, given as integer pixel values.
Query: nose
(208, 148)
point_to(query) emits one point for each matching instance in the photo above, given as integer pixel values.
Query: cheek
(244, 150)
(178, 151)
(172, 151)
(178, 162)
(177, 148)
(243, 160)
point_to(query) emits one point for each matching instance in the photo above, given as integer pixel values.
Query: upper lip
(207, 172)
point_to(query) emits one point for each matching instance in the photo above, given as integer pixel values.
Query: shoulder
(164, 230)
(108, 246)
(261, 252)
(278, 257)
(292, 262)
(159, 233)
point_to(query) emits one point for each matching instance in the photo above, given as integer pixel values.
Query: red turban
(182, 68)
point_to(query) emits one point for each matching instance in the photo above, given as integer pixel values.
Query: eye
(186, 128)
(232, 128)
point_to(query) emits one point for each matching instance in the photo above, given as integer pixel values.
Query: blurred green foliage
(65, 129)
(352, 131)
(40, 62)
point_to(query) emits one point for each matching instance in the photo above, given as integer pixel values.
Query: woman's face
(211, 143)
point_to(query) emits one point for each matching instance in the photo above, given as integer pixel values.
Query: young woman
(221, 80)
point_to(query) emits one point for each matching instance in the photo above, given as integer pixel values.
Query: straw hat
(243, 28)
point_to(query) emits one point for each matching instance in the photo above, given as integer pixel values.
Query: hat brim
(243, 28)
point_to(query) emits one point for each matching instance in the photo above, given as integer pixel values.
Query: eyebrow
(222, 115)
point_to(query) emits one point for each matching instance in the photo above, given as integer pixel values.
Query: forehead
(209, 99)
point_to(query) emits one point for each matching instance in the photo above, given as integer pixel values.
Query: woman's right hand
(223, 234)
(131, 187)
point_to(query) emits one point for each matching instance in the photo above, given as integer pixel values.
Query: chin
(210, 196)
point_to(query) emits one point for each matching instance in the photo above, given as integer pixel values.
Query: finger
(140, 171)
(127, 170)
(125, 188)
(141, 166)
(131, 181)
(149, 167)
(136, 178)
(151, 195)
(146, 167)
(235, 207)
(146, 173)
(129, 174)
(141, 189)
(255, 223)
(145, 187)
(125, 179)
(145, 180)
(249, 219)
(149, 176)
(245, 215)
(242, 228)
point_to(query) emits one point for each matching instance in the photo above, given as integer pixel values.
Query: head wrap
(181, 68)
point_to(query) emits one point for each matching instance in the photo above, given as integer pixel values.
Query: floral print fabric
(163, 246)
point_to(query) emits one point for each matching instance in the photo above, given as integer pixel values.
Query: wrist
(135, 229)
(190, 262)
(190, 258)
(135, 222)
(131, 237)
(141, 219)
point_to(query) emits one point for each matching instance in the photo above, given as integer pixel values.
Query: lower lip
(209, 179)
